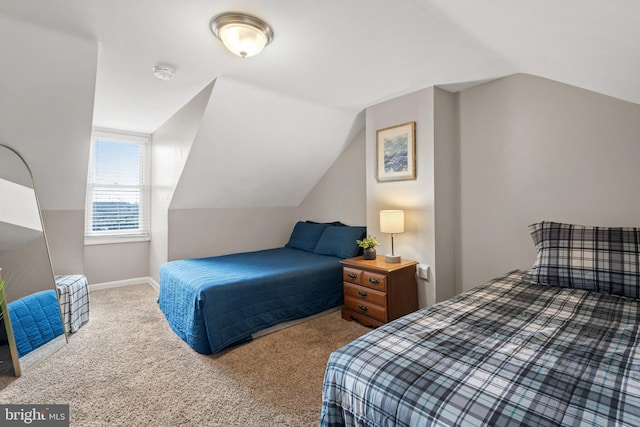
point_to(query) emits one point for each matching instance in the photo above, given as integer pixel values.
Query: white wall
(169, 151)
(22, 207)
(533, 149)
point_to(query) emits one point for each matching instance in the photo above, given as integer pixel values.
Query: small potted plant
(369, 244)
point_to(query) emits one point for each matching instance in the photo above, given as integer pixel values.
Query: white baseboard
(127, 282)
(155, 285)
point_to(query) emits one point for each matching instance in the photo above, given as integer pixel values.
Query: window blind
(117, 187)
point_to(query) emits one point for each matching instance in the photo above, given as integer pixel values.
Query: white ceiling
(342, 54)
(297, 104)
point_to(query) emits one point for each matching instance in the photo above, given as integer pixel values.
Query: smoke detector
(163, 72)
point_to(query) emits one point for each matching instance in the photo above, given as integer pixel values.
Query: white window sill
(108, 240)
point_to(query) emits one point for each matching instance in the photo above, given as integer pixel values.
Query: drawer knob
(373, 280)
(352, 275)
(363, 307)
(363, 293)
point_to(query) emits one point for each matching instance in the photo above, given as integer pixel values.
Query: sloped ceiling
(46, 104)
(328, 61)
(591, 44)
(257, 148)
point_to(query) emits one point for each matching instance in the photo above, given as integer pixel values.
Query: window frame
(144, 235)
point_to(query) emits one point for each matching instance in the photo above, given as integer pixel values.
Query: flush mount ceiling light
(242, 34)
(163, 72)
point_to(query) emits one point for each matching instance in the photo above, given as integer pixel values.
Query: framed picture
(396, 148)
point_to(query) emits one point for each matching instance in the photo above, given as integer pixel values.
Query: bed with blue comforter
(213, 303)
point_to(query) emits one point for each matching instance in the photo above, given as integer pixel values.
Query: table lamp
(392, 221)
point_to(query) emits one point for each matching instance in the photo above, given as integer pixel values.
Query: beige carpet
(126, 367)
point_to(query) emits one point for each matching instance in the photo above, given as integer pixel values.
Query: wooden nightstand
(376, 292)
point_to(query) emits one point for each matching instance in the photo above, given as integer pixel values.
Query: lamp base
(392, 258)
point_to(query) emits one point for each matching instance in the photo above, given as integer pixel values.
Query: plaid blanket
(505, 353)
(73, 293)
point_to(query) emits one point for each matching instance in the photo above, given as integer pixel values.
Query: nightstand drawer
(374, 281)
(367, 295)
(351, 275)
(376, 291)
(366, 308)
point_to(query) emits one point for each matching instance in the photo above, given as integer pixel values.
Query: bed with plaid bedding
(506, 353)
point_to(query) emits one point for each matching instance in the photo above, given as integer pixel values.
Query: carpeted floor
(126, 367)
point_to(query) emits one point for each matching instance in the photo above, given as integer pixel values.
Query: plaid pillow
(599, 259)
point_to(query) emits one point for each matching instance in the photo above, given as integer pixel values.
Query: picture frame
(396, 152)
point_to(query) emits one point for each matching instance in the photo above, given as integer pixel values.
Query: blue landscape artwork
(396, 153)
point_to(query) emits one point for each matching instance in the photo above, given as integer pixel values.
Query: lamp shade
(392, 221)
(243, 35)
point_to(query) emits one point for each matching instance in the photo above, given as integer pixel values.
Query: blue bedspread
(212, 303)
(35, 320)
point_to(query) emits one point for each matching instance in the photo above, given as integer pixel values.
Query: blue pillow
(340, 241)
(305, 235)
(338, 223)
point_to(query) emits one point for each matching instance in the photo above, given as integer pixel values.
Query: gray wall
(491, 160)
(495, 158)
(100, 263)
(65, 236)
(533, 149)
(435, 160)
(338, 195)
(211, 232)
(447, 190)
(118, 261)
(26, 269)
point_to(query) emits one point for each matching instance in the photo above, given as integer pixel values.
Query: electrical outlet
(424, 272)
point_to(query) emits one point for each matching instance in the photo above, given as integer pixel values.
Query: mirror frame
(13, 349)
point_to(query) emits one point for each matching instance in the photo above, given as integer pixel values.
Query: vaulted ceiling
(329, 60)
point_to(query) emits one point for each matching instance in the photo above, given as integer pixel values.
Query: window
(117, 207)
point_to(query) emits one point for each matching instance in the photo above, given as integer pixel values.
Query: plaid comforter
(505, 353)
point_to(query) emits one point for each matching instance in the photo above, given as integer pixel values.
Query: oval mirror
(31, 325)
